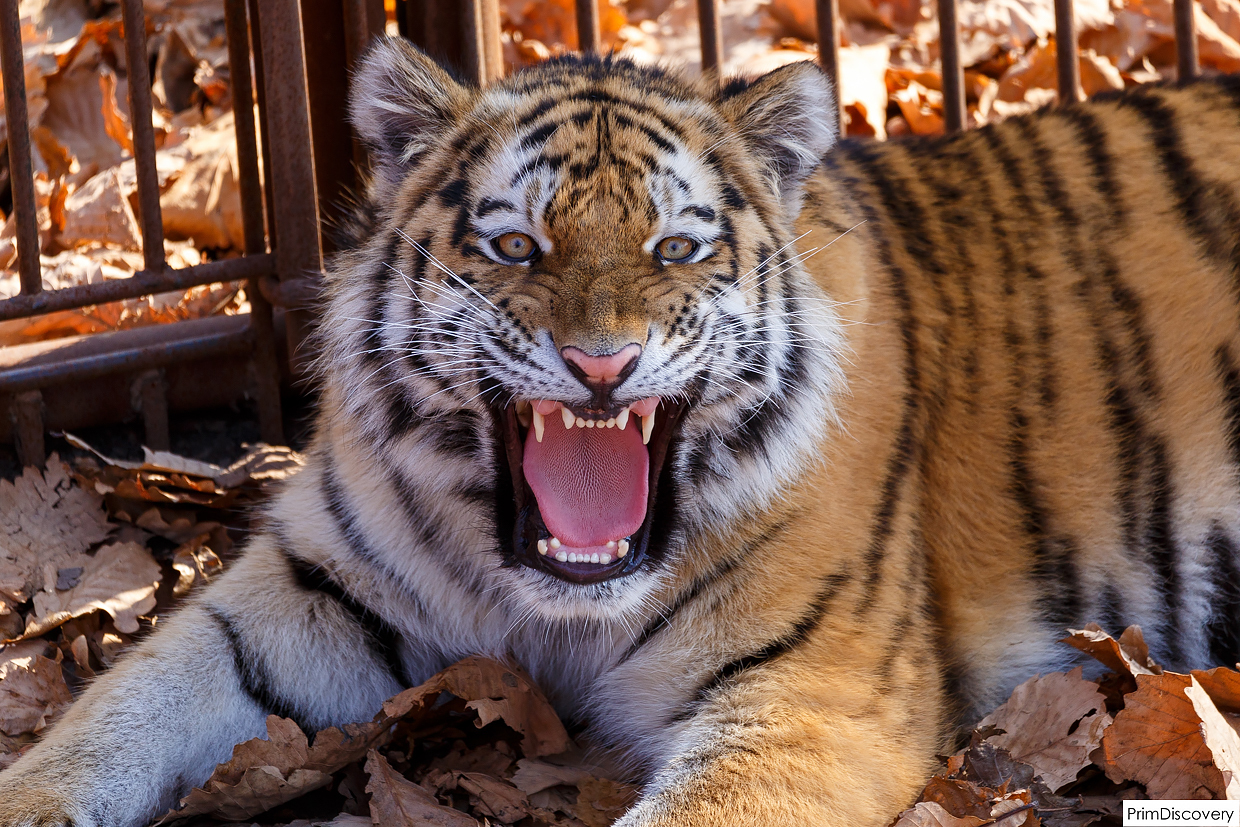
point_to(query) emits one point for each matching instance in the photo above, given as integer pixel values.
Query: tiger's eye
(515, 246)
(675, 248)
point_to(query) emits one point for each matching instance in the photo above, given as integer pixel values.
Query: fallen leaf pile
(476, 744)
(1064, 751)
(890, 77)
(85, 176)
(91, 556)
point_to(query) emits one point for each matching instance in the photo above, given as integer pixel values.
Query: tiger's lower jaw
(535, 546)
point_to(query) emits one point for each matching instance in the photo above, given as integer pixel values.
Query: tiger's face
(592, 262)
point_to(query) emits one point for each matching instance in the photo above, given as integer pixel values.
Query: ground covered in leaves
(95, 552)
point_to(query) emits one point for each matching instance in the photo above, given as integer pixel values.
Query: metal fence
(86, 380)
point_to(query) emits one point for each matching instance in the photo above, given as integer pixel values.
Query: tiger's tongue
(590, 483)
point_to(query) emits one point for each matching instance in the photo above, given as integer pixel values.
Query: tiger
(774, 458)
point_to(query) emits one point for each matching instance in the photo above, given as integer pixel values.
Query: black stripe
(1229, 374)
(254, 679)
(381, 637)
(794, 637)
(1223, 629)
(1207, 207)
(721, 570)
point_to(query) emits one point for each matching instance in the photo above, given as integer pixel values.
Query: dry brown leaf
(494, 798)
(32, 689)
(194, 563)
(203, 203)
(534, 776)
(262, 773)
(1222, 685)
(1128, 655)
(1156, 740)
(1220, 737)
(44, 518)
(119, 579)
(930, 814)
(959, 797)
(602, 801)
(1052, 723)
(397, 802)
(99, 212)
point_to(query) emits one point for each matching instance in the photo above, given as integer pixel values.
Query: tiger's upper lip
(527, 522)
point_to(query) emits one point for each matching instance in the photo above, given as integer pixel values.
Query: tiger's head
(583, 281)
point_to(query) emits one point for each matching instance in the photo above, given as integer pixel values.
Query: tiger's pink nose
(609, 370)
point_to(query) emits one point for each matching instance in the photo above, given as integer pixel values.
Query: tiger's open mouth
(584, 484)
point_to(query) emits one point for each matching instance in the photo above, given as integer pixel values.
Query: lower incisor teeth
(561, 556)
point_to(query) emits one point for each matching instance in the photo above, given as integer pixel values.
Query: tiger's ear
(789, 118)
(400, 102)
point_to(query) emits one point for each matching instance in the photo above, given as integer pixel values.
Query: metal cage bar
(1185, 39)
(150, 215)
(21, 171)
(589, 34)
(1067, 63)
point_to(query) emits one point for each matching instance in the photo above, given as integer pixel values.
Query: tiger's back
(1064, 287)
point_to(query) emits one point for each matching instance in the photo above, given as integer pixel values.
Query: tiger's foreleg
(253, 644)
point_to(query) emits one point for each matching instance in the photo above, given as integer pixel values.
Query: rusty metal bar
(143, 283)
(260, 87)
(475, 57)
(1065, 53)
(21, 171)
(953, 72)
(15, 380)
(150, 396)
(27, 417)
(1186, 62)
(712, 38)
(149, 213)
(589, 35)
(294, 203)
(266, 366)
(828, 21)
(493, 47)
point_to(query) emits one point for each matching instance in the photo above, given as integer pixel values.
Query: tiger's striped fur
(941, 399)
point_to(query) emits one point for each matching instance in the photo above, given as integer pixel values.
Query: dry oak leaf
(44, 518)
(1157, 741)
(959, 797)
(262, 773)
(1129, 654)
(494, 798)
(397, 802)
(1052, 723)
(1222, 685)
(32, 689)
(602, 800)
(930, 814)
(534, 776)
(119, 579)
(1221, 738)
(494, 690)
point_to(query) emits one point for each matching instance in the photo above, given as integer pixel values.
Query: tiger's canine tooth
(523, 413)
(539, 424)
(568, 418)
(647, 428)
(622, 419)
